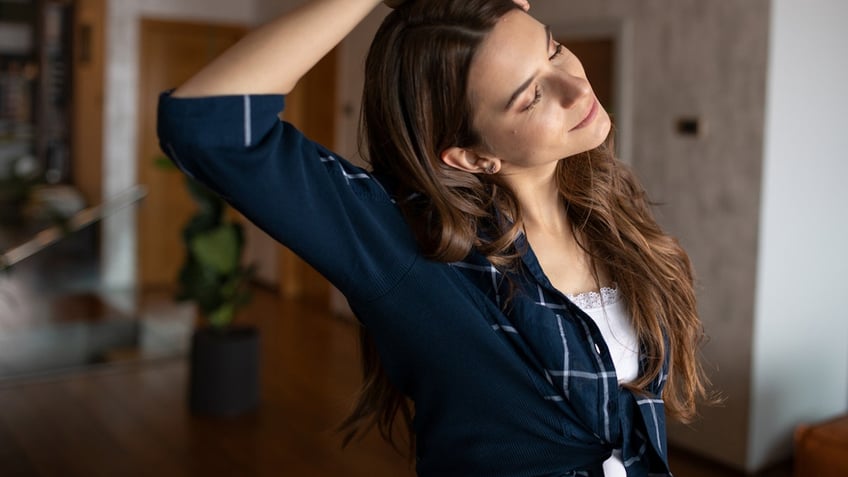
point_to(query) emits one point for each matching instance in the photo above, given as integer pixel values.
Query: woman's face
(532, 102)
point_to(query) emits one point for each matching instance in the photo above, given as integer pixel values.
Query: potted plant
(224, 358)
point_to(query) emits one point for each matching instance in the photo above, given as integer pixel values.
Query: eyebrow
(521, 89)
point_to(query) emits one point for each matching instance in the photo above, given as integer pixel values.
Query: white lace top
(607, 310)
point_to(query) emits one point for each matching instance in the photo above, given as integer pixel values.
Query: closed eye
(557, 51)
(537, 95)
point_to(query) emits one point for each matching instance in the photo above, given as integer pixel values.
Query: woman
(505, 267)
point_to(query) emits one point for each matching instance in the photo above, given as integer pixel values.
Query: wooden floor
(131, 419)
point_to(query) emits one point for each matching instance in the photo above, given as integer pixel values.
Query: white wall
(800, 359)
(119, 266)
(265, 10)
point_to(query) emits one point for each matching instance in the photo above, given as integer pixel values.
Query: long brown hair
(415, 105)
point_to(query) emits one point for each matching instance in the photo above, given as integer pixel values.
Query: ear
(467, 160)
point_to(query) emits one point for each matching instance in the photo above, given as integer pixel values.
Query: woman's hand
(524, 4)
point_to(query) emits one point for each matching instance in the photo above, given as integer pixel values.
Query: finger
(524, 4)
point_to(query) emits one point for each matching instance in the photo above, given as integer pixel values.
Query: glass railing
(57, 314)
(66, 226)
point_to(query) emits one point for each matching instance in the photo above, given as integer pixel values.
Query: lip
(593, 112)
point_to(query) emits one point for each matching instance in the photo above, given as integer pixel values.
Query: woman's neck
(539, 200)
(550, 234)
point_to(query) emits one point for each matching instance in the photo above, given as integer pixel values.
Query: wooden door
(87, 111)
(171, 52)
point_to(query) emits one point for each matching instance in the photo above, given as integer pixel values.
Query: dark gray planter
(224, 371)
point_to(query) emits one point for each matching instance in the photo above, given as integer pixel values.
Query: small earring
(491, 168)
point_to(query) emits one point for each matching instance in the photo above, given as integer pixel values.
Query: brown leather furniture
(821, 450)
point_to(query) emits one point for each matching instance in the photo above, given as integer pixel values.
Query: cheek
(547, 126)
(541, 135)
(534, 135)
(553, 123)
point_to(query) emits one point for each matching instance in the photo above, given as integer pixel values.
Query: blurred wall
(800, 364)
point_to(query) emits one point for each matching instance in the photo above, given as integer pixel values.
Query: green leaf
(200, 284)
(218, 249)
(163, 162)
(223, 316)
(211, 275)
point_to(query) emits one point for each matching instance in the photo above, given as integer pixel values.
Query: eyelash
(558, 50)
(538, 94)
(536, 98)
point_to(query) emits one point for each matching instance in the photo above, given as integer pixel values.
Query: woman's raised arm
(272, 58)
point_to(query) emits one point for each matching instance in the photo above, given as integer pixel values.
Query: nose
(572, 88)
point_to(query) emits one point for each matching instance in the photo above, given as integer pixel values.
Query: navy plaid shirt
(524, 388)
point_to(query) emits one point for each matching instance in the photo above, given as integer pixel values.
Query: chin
(602, 129)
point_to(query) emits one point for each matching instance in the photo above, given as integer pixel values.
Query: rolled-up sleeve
(336, 216)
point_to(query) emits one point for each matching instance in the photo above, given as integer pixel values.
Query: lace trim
(595, 299)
